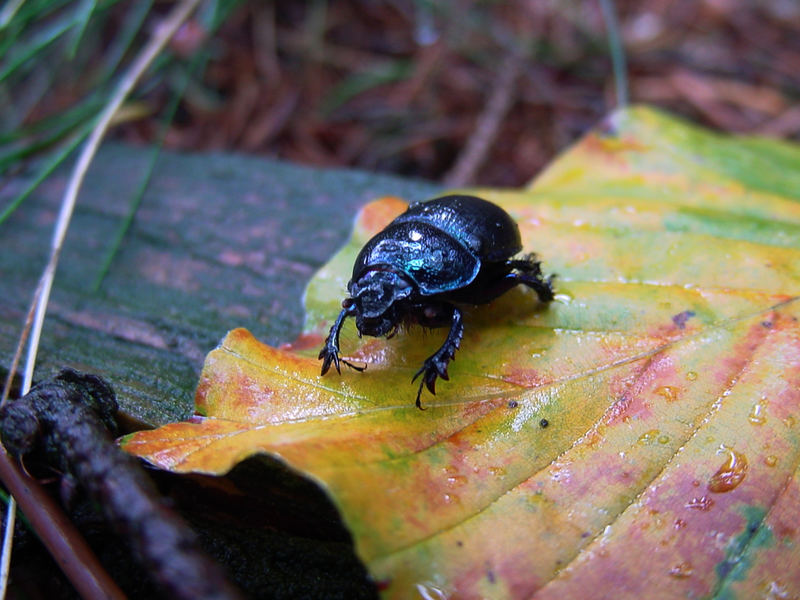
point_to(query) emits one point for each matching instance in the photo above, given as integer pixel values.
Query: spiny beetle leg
(329, 355)
(542, 287)
(436, 364)
(330, 351)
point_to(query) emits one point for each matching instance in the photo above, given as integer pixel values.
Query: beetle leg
(330, 351)
(531, 275)
(526, 264)
(436, 364)
(393, 332)
(542, 287)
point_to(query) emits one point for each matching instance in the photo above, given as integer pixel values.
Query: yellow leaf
(636, 438)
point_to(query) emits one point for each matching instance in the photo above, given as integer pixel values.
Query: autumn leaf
(636, 438)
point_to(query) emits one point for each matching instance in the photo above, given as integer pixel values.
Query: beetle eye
(347, 303)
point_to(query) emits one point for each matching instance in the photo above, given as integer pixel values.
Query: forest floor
(474, 92)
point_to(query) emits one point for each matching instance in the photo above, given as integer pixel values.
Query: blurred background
(462, 92)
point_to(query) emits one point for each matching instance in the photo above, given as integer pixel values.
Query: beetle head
(374, 300)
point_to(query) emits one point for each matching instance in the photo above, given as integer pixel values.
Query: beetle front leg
(436, 364)
(330, 351)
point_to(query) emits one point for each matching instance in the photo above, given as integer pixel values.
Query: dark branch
(69, 418)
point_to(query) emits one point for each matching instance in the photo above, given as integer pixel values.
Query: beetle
(435, 256)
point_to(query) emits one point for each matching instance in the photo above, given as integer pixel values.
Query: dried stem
(58, 534)
(480, 142)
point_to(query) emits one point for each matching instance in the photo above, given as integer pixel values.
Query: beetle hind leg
(530, 274)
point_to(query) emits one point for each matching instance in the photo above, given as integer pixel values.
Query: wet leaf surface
(636, 438)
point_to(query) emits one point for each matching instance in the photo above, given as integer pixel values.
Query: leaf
(636, 438)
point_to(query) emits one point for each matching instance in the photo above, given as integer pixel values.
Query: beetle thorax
(375, 298)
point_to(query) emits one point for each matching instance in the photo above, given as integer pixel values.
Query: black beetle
(447, 251)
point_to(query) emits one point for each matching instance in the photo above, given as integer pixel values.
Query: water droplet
(563, 297)
(691, 375)
(456, 480)
(771, 460)
(648, 437)
(668, 392)
(680, 523)
(497, 471)
(776, 590)
(730, 474)
(428, 591)
(658, 521)
(664, 439)
(682, 570)
(758, 414)
(703, 503)
(451, 499)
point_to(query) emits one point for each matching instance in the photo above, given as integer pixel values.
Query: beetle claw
(329, 356)
(431, 370)
(430, 383)
(419, 393)
(326, 361)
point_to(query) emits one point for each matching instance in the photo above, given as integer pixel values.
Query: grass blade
(84, 14)
(618, 62)
(52, 163)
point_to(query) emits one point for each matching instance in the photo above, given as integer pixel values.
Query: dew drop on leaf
(691, 375)
(703, 503)
(563, 297)
(648, 437)
(428, 591)
(730, 474)
(771, 460)
(681, 570)
(775, 590)
(456, 480)
(667, 392)
(497, 471)
(758, 414)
